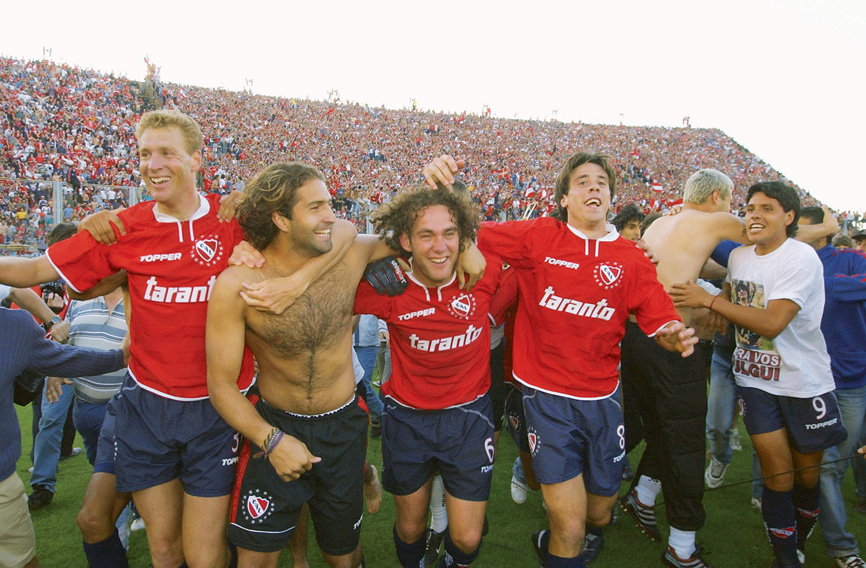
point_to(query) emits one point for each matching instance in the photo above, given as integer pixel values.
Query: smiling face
(167, 168)
(434, 243)
(588, 199)
(312, 219)
(766, 223)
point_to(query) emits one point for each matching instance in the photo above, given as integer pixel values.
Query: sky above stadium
(785, 78)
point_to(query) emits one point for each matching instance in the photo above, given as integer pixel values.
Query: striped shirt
(94, 327)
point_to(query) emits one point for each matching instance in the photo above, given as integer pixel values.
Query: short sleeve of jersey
(511, 241)
(797, 276)
(368, 301)
(81, 261)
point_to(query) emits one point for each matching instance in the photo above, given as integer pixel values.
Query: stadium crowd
(76, 126)
(86, 133)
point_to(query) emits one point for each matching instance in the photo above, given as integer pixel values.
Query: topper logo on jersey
(608, 275)
(585, 309)
(445, 343)
(463, 306)
(207, 251)
(564, 263)
(160, 257)
(177, 294)
(258, 506)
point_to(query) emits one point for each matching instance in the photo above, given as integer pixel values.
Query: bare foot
(373, 491)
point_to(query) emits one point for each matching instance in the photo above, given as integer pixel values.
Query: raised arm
(225, 348)
(809, 233)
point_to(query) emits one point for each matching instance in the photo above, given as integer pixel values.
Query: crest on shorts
(608, 275)
(515, 422)
(462, 306)
(534, 442)
(257, 506)
(207, 251)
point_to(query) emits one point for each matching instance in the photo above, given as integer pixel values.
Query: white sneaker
(518, 491)
(715, 474)
(137, 524)
(756, 503)
(852, 561)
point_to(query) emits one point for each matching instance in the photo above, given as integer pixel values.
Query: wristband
(712, 302)
(271, 440)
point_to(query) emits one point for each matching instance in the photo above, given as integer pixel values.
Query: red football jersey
(575, 296)
(440, 340)
(171, 267)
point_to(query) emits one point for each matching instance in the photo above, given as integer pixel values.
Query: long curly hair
(398, 217)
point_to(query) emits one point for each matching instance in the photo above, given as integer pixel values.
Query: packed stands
(75, 127)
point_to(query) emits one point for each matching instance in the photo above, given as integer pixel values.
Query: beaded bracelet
(271, 440)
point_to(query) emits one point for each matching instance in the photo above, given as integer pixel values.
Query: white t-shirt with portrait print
(796, 362)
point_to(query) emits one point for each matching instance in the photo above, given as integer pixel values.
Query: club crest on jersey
(608, 275)
(207, 251)
(257, 506)
(534, 441)
(462, 306)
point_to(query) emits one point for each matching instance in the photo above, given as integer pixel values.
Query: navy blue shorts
(569, 437)
(458, 441)
(812, 424)
(515, 419)
(265, 508)
(159, 439)
(104, 462)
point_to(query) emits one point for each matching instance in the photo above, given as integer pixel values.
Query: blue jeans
(88, 419)
(383, 363)
(46, 446)
(367, 358)
(720, 418)
(852, 403)
(720, 408)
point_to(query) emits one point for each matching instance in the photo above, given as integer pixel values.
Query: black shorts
(515, 418)
(812, 423)
(458, 440)
(265, 508)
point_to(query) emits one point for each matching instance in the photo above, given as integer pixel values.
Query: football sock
(454, 557)
(108, 553)
(647, 490)
(409, 553)
(683, 542)
(438, 514)
(806, 509)
(777, 508)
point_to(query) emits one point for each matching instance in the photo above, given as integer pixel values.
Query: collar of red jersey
(203, 209)
(611, 235)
